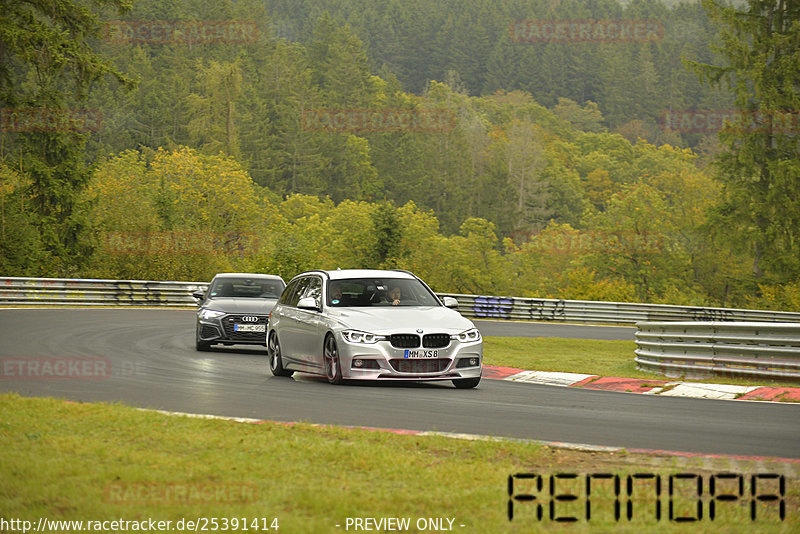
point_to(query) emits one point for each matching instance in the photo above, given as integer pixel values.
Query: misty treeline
(555, 176)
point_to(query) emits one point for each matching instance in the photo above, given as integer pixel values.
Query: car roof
(249, 275)
(343, 274)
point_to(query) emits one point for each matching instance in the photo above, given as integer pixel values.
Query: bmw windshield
(363, 292)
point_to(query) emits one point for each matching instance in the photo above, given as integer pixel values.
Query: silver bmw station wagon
(371, 325)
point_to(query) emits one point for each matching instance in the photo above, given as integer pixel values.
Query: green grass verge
(595, 357)
(101, 462)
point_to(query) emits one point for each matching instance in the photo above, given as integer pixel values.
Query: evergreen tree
(760, 166)
(46, 69)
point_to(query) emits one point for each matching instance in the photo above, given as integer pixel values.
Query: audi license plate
(421, 354)
(249, 328)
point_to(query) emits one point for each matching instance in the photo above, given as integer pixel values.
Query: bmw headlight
(209, 314)
(357, 336)
(468, 336)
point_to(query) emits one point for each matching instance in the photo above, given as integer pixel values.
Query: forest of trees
(554, 175)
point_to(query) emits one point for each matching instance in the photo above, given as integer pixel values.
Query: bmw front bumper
(382, 360)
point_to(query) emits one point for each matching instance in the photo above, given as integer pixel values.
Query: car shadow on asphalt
(431, 384)
(236, 349)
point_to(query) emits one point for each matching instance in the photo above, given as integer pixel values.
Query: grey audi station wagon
(371, 325)
(235, 309)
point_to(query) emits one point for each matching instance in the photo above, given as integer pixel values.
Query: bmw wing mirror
(451, 303)
(308, 303)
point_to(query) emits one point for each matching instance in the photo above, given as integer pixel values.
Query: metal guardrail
(83, 292)
(700, 350)
(595, 312)
(78, 292)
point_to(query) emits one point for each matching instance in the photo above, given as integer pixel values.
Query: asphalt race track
(146, 357)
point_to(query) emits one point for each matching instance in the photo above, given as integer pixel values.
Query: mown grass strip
(105, 462)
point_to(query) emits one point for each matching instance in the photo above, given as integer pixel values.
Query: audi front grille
(229, 322)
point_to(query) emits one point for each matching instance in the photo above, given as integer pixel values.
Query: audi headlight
(210, 314)
(468, 336)
(357, 336)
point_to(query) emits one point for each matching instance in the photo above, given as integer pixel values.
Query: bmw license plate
(249, 328)
(421, 353)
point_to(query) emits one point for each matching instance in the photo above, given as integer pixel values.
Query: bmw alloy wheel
(333, 367)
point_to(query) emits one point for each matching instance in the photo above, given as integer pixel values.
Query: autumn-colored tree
(174, 215)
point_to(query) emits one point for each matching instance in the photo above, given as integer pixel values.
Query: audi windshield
(245, 288)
